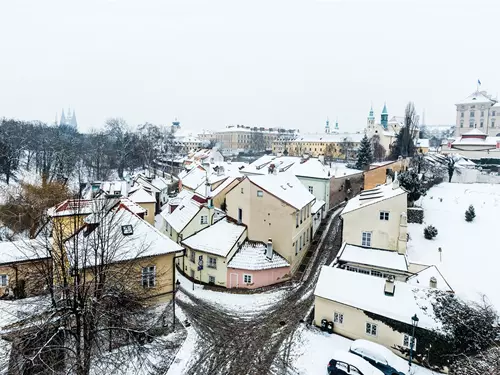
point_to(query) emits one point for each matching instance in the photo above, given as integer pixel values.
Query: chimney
(433, 282)
(389, 286)
(207, 189)
(269, 250)
(395, 182)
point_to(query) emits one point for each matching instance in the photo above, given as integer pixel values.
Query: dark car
(345, 363)
(379, 356)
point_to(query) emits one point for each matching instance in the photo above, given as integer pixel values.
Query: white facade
(478, 111)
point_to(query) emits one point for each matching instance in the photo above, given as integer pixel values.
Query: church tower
(327, 126)
(371, 118)
(337, 125)
(384, 117)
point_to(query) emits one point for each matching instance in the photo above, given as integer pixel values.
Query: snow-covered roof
(115, 187)
(194, 178)
(317, 206)
(366, 292)
(314, 168)
(373, 257)
(132, 206)
(476, 97)
(423, 278)
(72, 207)
(145, 240)
(217, 239)
(286, 187)
(146, 183)
(183, 214)
(252, 256)
(477, 141)
(142, 196)
(422, 143)
(329, 138)
(24, 250)
(262, 164)
(371, 196)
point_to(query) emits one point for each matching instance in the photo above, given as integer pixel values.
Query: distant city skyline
(219, 63)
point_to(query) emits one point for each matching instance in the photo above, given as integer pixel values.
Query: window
(376, 273)
(311, 189)
(300, 242)
(127, 230)
(492, 123)
(247, 279)
(461, 124)
(471, 114)
(260, 194)
(482, 113)
(297, 220)
(240, 215)
(149, 276)
(407, 340)
(481, 124)
(170, 230)
(212, 262)
(241, 190)
(296, 247)
(384, 215)
(471, 124)
(4, 280)
(338, 318)
(366, 239)
(493, 113)
(363, 271)
(301, 215)
(204, 219)
(211, 279)
(192, 257)
(461, 115)
(371, 329)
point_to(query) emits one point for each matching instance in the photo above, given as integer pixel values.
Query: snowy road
(254, 341)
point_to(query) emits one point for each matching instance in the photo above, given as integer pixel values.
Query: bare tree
(404, 144)
(96, 311)
(257, 141)
(379, 151)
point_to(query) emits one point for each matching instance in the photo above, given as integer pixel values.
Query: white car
(345, 363)
(379, 356)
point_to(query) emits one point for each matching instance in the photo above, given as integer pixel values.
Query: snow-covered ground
(470, 251)
(312, 349)
(241, 303)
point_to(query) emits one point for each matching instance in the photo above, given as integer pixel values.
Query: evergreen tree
(410, 181)
(470, 214)
(430, 232)
(365, 156)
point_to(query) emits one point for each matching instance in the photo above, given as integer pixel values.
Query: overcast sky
(261, 62)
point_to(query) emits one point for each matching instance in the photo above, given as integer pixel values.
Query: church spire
(327, 126)
(63, 118)
(384, 117)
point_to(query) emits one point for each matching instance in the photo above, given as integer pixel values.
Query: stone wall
(415, 215)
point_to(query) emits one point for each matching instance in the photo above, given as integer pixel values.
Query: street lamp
(414, 323)
(176, 288)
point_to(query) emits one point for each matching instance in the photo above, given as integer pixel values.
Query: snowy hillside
(470, 251)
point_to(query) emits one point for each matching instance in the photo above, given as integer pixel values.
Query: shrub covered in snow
(411, 182)
(430, 232)
(470, 213)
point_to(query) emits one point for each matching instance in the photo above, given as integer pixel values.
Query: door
(233, 280)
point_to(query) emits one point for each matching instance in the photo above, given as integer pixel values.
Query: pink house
(255, 265)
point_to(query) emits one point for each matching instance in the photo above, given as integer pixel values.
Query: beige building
(478, 111)
(147, 201)
(277, 207)
(209, 251)
(239, 138)
(357, 304)
(376, 218)
(335, 145)
(378, 172)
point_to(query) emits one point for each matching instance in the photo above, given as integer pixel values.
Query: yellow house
(141, 256)
(378, 172)
(146, 201)
(21, 264)
(359, 305)
(274, 206)
(376, 218)
(209, 251)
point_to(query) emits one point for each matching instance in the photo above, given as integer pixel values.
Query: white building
(473, 144)
(478, 111)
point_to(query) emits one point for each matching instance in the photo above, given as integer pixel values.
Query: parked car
(345, 363)
(379, 356)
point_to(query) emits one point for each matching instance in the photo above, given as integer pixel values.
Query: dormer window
(127, 230)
